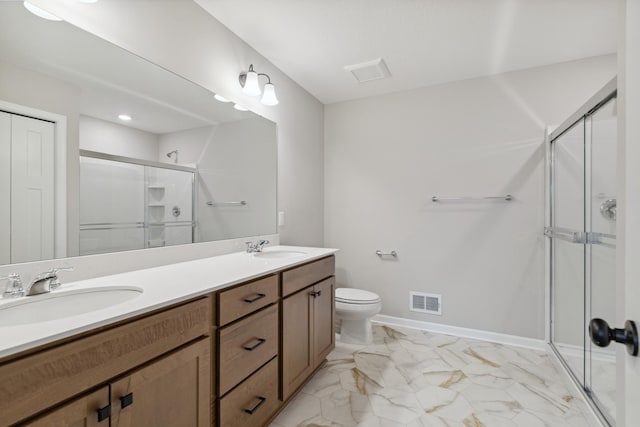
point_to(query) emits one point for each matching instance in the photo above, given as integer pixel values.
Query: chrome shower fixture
(171, 153)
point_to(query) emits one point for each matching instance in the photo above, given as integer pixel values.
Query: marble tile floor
(415, 378)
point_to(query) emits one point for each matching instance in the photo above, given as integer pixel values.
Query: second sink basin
(279, 254)
(61, 304)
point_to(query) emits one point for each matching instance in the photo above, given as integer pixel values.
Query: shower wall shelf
(506, 197)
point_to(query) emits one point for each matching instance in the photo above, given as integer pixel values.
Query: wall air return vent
(370, 70)
(425, 303)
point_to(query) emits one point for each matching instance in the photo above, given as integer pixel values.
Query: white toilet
(354, 310)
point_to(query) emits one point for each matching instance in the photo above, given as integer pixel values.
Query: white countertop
(162, 287)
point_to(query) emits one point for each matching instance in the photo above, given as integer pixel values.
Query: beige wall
(386, 156)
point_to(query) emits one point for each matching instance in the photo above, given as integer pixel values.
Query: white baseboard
(458, 331)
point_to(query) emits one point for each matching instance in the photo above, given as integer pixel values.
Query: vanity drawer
(247, 345)
(245, 299)
(41, 380)
(254, 401)
(300, 277)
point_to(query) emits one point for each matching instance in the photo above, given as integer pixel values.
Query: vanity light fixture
(124, 117)
(221, 98)
(38, 11)
(240, 107)
(250, 86)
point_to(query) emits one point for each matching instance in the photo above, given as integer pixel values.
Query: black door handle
(601, 335)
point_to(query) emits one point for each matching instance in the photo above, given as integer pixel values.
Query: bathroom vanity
(230, 345)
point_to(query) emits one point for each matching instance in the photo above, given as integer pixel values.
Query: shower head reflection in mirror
(173, 153)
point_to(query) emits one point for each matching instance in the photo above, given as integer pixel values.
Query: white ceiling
(424, 42)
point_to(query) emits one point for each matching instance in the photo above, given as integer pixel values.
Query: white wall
(238, 164)
(32, 89)
(386, 156)
(112, 138)
(183, 38)
(190, 144)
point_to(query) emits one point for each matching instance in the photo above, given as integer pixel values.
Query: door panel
(174, 391)
(568, 274)
(323, 320)
(32, 189)
(80, 412)
(297, 359)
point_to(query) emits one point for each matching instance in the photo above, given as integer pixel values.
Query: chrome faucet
(256, 247)
(14, 287)
(46, 282)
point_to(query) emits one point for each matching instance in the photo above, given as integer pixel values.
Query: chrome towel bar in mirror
(506, 197)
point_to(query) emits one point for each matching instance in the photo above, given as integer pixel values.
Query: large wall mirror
(103, 151)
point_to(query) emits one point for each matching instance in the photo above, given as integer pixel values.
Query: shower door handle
(602, 335)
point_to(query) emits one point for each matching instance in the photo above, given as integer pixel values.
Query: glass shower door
(601, 224)
(568, 249)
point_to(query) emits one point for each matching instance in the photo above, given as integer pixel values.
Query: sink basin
(279, 254)
(61, 304)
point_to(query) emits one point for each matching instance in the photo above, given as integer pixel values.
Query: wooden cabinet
(173, 391)
(254, 401)
(308, 325)
(39, 381)
(80, 412)
(252, 345)
(247, 345)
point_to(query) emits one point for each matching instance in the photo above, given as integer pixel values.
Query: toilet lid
(356, 296)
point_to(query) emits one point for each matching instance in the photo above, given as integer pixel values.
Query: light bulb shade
(269, 97)
(251, 86)
(240, 107)
(40, 12)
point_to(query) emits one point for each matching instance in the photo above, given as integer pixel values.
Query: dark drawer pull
(256, 345)
(104, 413)
(126, 400)
(254, 299)
(255, 408)
(315, 294)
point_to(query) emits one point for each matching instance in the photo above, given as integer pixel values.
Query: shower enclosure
(582, 234)
(130, 204)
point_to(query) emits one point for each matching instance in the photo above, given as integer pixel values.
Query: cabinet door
(174, 391)
(81, 412)
(323, 320)
(297, 356)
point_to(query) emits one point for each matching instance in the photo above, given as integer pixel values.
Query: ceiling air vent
(370, 70)
(425, 303)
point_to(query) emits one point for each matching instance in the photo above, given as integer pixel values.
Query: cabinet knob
(126, 400)
(104, 413)
(254, 299)
(256, 345)
(261, 400)
(315, 294)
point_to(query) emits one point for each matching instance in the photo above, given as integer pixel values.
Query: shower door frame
(584, 113)
(161, 165)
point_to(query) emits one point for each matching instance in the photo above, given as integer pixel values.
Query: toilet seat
(356, 296)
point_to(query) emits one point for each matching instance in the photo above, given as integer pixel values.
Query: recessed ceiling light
(240, 107)
(125, 117)
(40, 12)
(220, 98)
